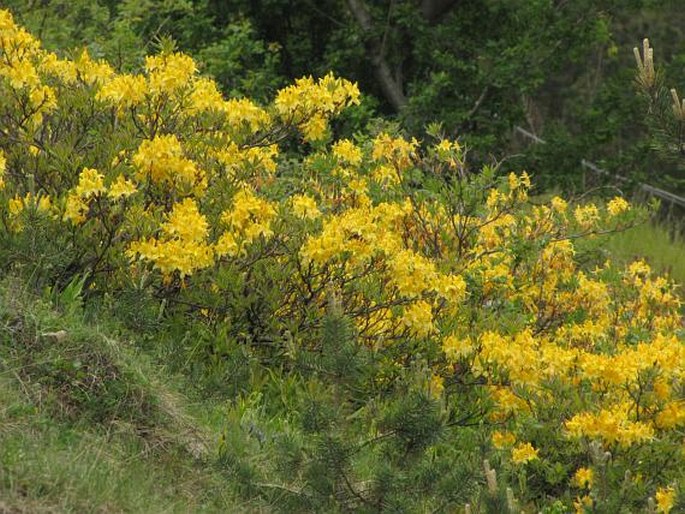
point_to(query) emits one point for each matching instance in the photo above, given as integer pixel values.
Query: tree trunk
(434, 10)
(392, 89)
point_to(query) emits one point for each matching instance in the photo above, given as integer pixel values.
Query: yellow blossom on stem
(584, 477)
(559, 205)
(205, 97)
(672, 415)
(583, 503)
(665, 499)
(241, 112)
(436, 385)
(18, 204)
(418, 317)
(186, 222)
(304, 206)
(90, 183)
(169, 72)
(501, 440)
(162, 159)
(121, 188)
(448, 152)
(93, 72)
(75, 209)
(123, 91)
(63, 69)
(455, 347)
(3, 168)
(617, 206)
(450, 287)
(346, 151)
(183, 248)
(43, 98)
(523, 453)
(587, 216)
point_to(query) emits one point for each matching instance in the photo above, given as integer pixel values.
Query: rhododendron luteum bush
(154, 181)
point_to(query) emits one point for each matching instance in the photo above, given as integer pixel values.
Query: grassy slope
(88, 425)
(654, 244)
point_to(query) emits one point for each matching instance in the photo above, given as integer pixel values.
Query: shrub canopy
(423, 298)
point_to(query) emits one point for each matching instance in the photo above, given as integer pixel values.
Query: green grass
(87, 424)
(654, 244)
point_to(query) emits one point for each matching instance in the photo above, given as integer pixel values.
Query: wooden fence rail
(654, 191)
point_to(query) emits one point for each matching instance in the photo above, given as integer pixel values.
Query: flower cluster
(308, 103)
(452, 273)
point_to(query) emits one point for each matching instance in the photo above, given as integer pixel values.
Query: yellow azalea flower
(613, 425)
(90, 183)
(41, 203)
(305, 207)
(495, 198)
(121, 188)
(123, 91)
(169, 72)
(559, 205)
(236, 159)
(63, 69)
(22, 74)
(76, 209)
(582, 504)
(448, 151)
(3, 168)
(186, 223)
(162, 160)
(43, 98)
(242, 112)
(584, 477)
(638, 271)
(418, 318)
(227, 245)
(93, 72)
(450, 287)
(16, 205)
(205, 97)
(514, 181)
(617, 206)
(315, 128)
(397, 151)
(523, 453)
(436, 386)
(411, 272)
(309, 103)
(249, 215)
(587, 216)
(501, 440)
(184, 257)
(661, 389)
(346, 151)
(665, 499)
(455, 347)
(671, 415)
(384, 174)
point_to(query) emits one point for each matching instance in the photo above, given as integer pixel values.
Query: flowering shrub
(465, 298)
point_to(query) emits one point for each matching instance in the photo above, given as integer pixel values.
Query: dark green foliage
(327, 438)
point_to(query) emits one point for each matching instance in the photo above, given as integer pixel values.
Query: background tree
(561, 69)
